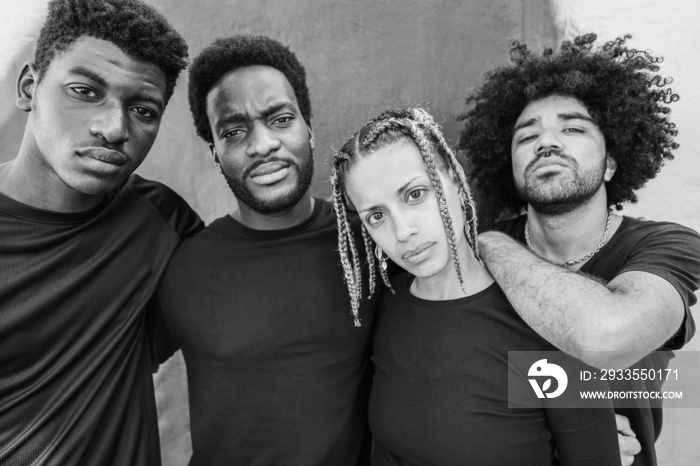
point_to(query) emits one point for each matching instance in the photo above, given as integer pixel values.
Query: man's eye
(144, 112)
(282, 120)
(528, 138)
(573, 130)
(83, 91)
(231, 133)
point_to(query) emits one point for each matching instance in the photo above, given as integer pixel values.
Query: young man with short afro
(277, 367)
(84, 241)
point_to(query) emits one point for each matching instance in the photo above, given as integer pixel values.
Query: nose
(404, 227)
(112, 124)
(547, 140)
(262, 142)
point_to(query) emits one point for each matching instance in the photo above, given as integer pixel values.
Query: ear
(26, 86)
(212, 149)
(312, 141)
(610, 168)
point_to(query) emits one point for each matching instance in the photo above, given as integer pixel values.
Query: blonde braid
(424, 146)
(345, 241)
(370, 260)
(470, 224)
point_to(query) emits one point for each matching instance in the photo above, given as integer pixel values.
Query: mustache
(549, 153)
(290, 162)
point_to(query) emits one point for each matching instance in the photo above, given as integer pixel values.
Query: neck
(445, 285)
(277, 221)
(569, 236)
(28, 179)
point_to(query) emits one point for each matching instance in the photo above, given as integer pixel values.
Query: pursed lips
(546, 162)
(267, 168)
(415, 252)
(103, 154)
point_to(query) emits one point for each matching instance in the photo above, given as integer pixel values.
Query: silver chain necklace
(580, 259)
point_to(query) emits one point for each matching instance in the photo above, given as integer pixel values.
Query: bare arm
(634, 314)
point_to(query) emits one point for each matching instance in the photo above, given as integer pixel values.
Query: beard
(558, 194)
(272, 206)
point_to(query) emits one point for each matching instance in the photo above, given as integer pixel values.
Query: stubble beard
(268, 207)
(557, 195)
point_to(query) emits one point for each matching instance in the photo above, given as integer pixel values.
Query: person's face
(93, 117)
(260, 138)
(393, 195)
(558, 155)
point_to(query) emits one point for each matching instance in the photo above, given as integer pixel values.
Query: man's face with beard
(261, 139)
(558, 155)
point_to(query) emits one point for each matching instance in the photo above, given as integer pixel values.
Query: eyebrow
(239, 117)
(562, 116)
(88, 73)
(399, 192)
(142, 95)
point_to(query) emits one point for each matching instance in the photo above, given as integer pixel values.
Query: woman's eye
(374, 217)
(416, 194)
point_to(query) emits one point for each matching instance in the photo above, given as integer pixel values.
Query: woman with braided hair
(444, 328)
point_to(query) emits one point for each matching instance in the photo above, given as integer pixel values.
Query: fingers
(623, 426)
(629, 446)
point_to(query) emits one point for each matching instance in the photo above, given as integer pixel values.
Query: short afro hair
(225, 55)
(136, 28)
(618, 86)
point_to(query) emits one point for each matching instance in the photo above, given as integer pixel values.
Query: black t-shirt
(277, 371)
(75, 369)
(440, 389)
(670, 251)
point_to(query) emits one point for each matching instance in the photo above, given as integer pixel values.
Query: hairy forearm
(575, 313)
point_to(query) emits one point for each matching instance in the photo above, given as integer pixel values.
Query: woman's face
(392, 192)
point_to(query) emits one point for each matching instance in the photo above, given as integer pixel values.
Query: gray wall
(361, 57)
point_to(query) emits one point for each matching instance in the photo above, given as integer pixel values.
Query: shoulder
(169, 205)
(513, 227)
(640, 229)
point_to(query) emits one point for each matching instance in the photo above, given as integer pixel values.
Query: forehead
(249, 90)
(552, 106)
(384, 171)
(107, 61)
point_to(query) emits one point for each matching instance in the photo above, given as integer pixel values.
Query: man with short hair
(568, 136)
(277, 365)
(83, 241)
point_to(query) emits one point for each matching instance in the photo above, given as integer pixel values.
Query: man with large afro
(561, 140)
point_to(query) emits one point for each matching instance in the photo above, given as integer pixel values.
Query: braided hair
(414, 125)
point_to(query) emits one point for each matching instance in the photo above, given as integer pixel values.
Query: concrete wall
(669, 29)
(361, 56)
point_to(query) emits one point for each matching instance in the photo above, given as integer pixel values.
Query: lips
(417, 254)
(269, 172)
(548, 162)
(105, 155)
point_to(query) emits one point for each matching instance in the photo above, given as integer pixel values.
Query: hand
(629, 445)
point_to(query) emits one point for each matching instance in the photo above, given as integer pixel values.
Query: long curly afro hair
(619, 87)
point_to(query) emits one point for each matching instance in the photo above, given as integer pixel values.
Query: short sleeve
(671, 252)
(181, 218)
